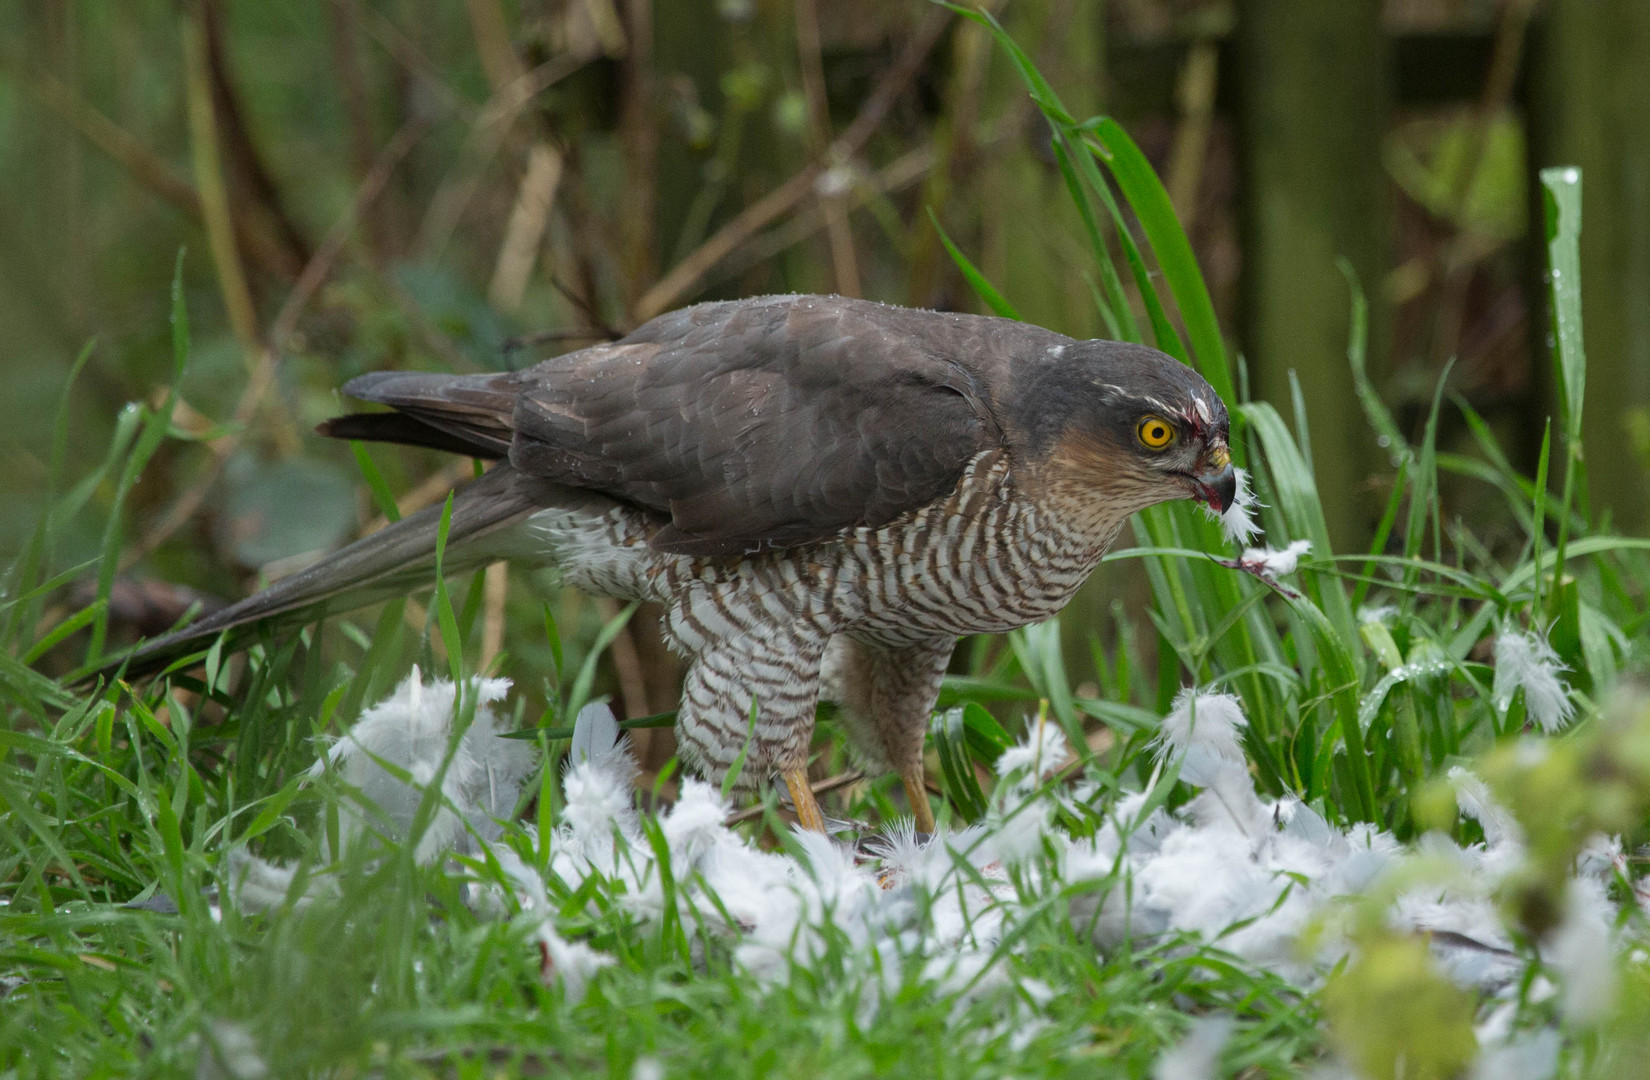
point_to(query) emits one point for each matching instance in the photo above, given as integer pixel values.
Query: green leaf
(1149, 200)
(1561, 204)
(445, 618)
(152, 431)
(976, 280)
(986, 738)
(375, 481)
(950, 734)
(579, 696)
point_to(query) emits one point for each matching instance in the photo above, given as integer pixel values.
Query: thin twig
(685, 275)
(214, 194)
(147, 168)
(495, 591)
(524, 233)
(627, 662)
(587, 308)
(844, 264)
(263, 370)
(823, 787)
(406, 53)
(487, 134)
(1195, 95)
(366, 194)
(897, 175)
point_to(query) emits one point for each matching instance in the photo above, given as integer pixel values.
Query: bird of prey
(819, 492)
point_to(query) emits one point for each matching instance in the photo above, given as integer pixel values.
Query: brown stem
(498, 55)
(238, 150)
(639, 137)
(147, 168)
(687, 274)
(286, 320)
(524, 233)
(209, 179)
(844, 264)
(496, 589)
(627, 663)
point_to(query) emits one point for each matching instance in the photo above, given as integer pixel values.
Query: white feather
(1524, 660)
(1238, 519)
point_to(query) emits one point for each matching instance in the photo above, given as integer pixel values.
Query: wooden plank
(1312, 93)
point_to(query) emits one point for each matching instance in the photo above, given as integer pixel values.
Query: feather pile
(1253, 877)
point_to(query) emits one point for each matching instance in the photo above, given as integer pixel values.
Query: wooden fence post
(1589, 105)
(1312, 93)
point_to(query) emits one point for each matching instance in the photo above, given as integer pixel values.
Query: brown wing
(759, 424)
(745, 425)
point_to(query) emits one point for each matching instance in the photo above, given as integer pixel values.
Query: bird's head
(1126, 424)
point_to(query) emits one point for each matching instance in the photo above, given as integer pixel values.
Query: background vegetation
(360, 185)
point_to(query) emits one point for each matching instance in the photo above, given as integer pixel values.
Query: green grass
(107, 797)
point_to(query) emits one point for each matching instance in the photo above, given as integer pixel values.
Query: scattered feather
(1197, 1056)
(1203, 734)
(1583, 952)
(1525, 661)
(401, 745)
(572, 963)
(230, 1053)
(1042, 751)
(595, 732)
(1474, 800)
(1256, 878)
(1273, 563)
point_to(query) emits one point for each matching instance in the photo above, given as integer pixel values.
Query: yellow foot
(802, 796)
(916, 791)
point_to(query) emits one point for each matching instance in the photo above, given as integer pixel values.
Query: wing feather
(745, 425)
(758, 424)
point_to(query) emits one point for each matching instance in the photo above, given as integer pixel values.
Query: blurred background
(474, 184)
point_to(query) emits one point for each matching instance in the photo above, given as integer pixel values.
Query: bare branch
(687, 274)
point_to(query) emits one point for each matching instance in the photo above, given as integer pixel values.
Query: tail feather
(475, 412)
(391, 562)
(394, 427)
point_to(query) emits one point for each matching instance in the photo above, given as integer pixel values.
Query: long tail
(393, 561)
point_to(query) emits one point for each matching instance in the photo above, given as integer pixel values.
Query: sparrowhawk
(814, 489)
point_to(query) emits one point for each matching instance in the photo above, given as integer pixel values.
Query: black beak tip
(1219, 488)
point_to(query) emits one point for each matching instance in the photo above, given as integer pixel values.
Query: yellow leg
(916, 791)
(802, 796)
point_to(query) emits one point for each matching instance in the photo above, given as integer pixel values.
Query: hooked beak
(1215, 482)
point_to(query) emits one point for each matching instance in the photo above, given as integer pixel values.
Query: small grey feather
(595, 732)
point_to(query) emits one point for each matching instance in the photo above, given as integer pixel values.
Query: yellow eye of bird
(1155, 432)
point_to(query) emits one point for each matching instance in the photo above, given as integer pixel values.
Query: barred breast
(985, 559)
(991, 556)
